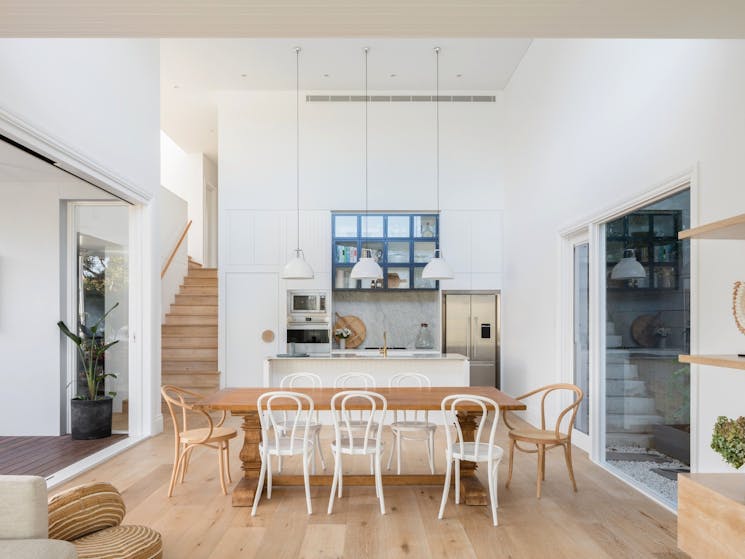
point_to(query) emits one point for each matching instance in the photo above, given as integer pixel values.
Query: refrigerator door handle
(469, 350)
(472, 337)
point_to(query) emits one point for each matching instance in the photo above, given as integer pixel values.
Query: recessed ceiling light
(176, 86)
(244, 75)
(325, 75)
(458, 75)
(392, 75)
(212, 130)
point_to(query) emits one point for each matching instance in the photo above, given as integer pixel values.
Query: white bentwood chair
(357, 381)
(354, 442)
(279, 439)
(412, 425)
(303, 380)
(476, 451)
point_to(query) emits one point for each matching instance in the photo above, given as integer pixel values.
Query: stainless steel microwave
(307, 302)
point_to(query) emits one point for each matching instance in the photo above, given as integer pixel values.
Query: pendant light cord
(367, 100)
(297, 142)
(437, 121)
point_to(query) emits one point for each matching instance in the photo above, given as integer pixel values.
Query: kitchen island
(443, 369)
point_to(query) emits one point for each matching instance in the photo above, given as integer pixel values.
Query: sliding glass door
(99, 263)
(647, 315)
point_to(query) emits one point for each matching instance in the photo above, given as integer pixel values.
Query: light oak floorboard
(606, 519)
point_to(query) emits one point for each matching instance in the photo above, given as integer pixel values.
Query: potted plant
(728, 440)
(91, 409)
(341, 335)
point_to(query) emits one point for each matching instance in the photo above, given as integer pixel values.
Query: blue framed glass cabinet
(402, 243)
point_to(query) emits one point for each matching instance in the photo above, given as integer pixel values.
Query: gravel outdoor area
(640, 463)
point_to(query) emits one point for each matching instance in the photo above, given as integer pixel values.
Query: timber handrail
(175, 250)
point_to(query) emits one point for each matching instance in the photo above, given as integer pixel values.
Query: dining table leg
(244, 491)
(471, 490)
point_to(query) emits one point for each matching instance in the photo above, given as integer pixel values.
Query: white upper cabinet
(471, 243)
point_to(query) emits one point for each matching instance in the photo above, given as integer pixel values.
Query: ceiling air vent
(401, 98)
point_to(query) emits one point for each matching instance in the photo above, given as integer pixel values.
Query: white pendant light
(437, 268)
(297, 268)
(628, 267)
(366, 267)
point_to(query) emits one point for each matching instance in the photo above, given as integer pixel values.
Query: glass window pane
(398, 252)
(420, 283)
(398, 226)
(343, 279)
(424, 251)
(664, 225)
(398, 278)
(345, 225)
(425, 226)
(372, 226)
(582, 332)
(638, 224)
(376, 250)
(345, 252)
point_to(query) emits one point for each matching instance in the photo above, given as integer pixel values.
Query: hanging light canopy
(437, 268)
(628, 267)
(366, 267)
(297, 268)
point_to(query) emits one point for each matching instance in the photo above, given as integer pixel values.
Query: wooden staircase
(189, 335)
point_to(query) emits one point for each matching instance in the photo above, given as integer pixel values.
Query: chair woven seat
(121, 542)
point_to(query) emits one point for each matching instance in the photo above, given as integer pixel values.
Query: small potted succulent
(728, 440)
(341, 335)
(91, 409)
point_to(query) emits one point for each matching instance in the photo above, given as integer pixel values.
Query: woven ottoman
(90, 517)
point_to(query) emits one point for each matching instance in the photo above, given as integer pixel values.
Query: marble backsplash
(400, 314)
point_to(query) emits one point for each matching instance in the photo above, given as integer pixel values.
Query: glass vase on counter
(424, 339)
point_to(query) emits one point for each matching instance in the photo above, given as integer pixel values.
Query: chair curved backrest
(413, 380)
(355, 380)
(450, 407)
(346, 401)
(179, 399)
(301, 380)
(268, 406)
(573, 407)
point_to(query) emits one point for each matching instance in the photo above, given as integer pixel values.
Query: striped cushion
(83, 510)
(121, 542)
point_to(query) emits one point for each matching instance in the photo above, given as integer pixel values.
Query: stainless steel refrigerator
(470, 326)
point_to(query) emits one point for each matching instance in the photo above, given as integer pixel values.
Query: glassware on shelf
(424, 340)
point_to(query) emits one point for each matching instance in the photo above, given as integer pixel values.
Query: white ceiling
(373, 18)
(192, 70)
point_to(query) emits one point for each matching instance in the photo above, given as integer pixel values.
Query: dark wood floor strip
(43, 456)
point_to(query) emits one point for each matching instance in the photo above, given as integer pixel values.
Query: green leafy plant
(729, 440)
(91, 349)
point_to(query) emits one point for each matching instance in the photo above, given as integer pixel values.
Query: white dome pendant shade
(297, 268)
(437, 268)
(628, 267)
(366, 267)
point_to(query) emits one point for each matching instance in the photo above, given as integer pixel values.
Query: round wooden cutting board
(643, 327)
(357, 327)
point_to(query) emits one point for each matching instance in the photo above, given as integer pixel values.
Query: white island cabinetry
(449, 369)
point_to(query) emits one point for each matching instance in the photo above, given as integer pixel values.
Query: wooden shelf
(727, 361)
(730, 228)
(711, 515)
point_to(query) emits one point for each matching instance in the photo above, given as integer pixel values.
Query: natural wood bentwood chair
(214, 435)
(545, 439)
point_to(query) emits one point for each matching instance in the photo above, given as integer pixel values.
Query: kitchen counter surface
(363, 356)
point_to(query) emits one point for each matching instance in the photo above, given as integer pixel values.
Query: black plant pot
(91, 419)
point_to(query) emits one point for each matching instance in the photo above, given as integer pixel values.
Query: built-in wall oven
(308, 322)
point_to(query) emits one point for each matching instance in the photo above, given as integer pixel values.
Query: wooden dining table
(241, 402)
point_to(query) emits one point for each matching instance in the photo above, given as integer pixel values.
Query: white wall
(591, 124)
(257, 194)
(99, 99)
(186, 175)
(173, 217)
